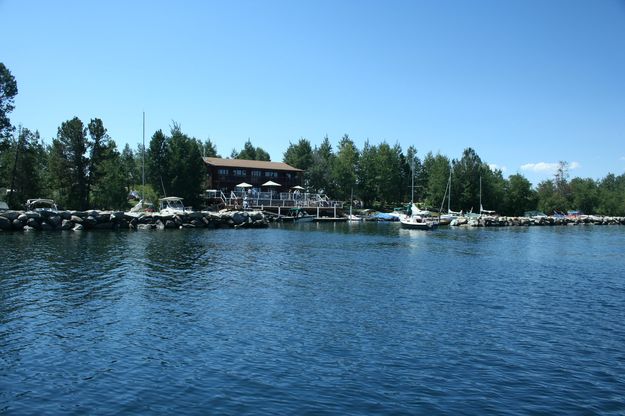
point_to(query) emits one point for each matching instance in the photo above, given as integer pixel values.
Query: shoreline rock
(116, 220)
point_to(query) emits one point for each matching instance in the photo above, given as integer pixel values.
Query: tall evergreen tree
(23, 167)
(319, 176)
(69, 164)
(299, 155)
(250, 152)
(437, 168)
(467, 172)
(186, 167)
(207, 148)
(345, 168)
(389, 173)
(8, 91)
(368, 181)
(100, 149)
(156, 162)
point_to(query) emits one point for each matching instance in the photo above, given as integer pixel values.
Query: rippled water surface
(314, 319)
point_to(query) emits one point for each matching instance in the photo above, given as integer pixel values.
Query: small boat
(299, 215)
(418, 219)
(355, 218)
(172, 205)
(417, 222)
(39, 205)
(329, 219)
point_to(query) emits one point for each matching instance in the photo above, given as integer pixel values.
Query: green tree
(319, 177)
(389, 173)
(68, 165)
(584, 195)
(101, 148)
(109, 187)
(413, 166)
(519, 196)
(611, 191)
(368, 181)
(466, 184)
(156, 158)
(299, 155)
(23, 167)
(250, 152)
(437, 175)
(129, 168)
(8, 91)
(549, 199)
(207, 148)
(186, 167)
(344, 168)
(493, 188)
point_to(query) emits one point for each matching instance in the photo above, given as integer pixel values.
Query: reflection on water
(313, 318)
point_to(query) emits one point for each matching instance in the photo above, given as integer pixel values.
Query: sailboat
(484, 212)
(351, 217)
(417, 218)
(445, 219)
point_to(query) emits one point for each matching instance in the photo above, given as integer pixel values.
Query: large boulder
(33, 223)
(67, 225)
(17, 224)
(5, 223)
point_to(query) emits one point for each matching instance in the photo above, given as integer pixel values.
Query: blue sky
(525, 83)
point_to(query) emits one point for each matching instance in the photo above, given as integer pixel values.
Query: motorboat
(39, 205)
(172, 205)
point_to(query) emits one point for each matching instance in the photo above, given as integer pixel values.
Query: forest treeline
(83, 168)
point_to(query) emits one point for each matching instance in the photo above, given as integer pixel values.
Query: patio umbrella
(243, 185)
(301, 188)
(271, 183)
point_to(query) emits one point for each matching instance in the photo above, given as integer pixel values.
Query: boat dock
(281, 204)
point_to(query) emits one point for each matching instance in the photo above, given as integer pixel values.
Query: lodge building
(224, 174)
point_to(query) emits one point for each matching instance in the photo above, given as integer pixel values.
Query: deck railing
(280, 199)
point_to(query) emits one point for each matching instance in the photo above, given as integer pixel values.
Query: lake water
(314, 319)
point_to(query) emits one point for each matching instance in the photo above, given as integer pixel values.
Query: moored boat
(172, 205)
(418, 219)
(39, 205)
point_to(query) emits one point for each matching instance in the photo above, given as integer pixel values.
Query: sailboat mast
(480, 194)
(412, 181)
(143, 163)
(449, 196)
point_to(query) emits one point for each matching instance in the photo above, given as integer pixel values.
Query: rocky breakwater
(116, 220)
(539, 221)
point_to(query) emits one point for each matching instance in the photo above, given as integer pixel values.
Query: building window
(222, 171)
(271, 174)
(239, 172)
(256, 173)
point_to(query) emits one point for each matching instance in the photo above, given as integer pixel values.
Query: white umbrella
(244, 185)
(271, 183)
(301, 188)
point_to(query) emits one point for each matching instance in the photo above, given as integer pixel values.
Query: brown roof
(249, 164)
